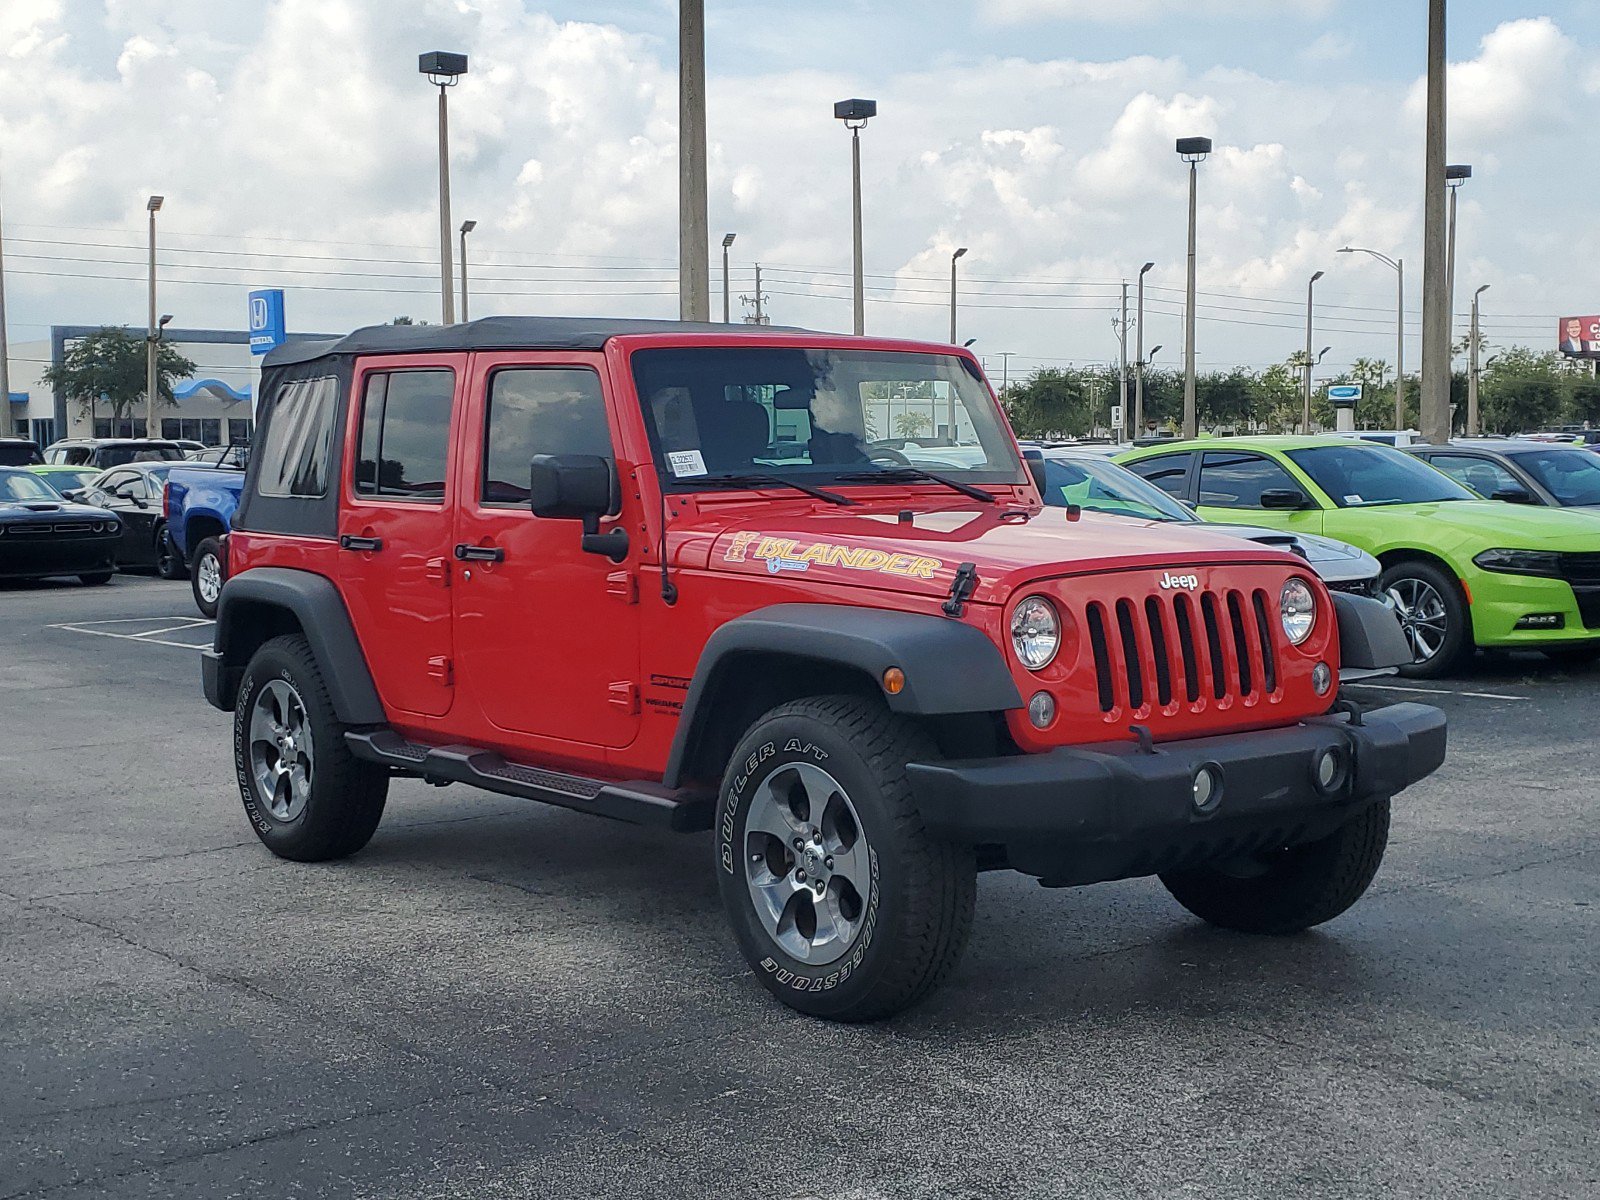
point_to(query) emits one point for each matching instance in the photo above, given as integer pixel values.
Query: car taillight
(166, 500)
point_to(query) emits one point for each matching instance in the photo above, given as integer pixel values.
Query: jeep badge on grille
(1169, 581)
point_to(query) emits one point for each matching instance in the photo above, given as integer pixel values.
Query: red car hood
(920, 555)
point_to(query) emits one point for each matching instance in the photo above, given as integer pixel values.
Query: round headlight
(111, 526)
(1297, 609)
(1035, 632)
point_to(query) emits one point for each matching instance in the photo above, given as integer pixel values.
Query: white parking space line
(161, 625)
(1394, 687)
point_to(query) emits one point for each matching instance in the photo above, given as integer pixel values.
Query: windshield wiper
(758, 480)
(907, 474)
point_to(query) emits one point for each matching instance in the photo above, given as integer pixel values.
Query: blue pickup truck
(198, 505)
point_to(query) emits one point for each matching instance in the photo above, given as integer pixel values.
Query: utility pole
(1122, 359)
(152, 206)
(1005, 373)
(1138, 359)
(760, 317)
(1435, 405)
(1473, 340)
(5, 350)
(694, 254)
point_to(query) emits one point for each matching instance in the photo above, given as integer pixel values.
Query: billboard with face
(1579, 337)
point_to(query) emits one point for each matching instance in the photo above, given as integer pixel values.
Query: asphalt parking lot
(496, 999)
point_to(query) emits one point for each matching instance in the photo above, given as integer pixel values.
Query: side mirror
(1283, 498)
(579, 487)
(1514, 495)
(73, 494)
(1033, 459)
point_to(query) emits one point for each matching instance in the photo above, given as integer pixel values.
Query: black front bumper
(1083, 814)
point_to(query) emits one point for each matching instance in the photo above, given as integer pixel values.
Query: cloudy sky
(294, 143)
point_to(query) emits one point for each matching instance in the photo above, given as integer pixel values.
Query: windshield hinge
(961, 587)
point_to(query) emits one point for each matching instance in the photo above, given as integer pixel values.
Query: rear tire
(867, 914)
(1433, 614)
(95, 579)
(169, 563)
(1295, 888)
(308, 798)
(206, 576)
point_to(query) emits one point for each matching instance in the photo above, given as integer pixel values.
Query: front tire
(842, 903)
(1291, 889)
(206, 577)
(1433, 615)
(308, 798)
(95, 578)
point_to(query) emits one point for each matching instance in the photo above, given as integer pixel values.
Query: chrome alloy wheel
(281, 752)
(209, 578)
(1422, 614)
(807, 863)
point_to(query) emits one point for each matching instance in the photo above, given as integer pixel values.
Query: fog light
(1207, 787)
(1322, 678)
(1543, 621)
(1042, 709)
(1328, 770)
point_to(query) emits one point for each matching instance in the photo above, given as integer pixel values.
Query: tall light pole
(1138, 357)
(152, 206)
(466, 228)
(855, 114)
(727, 241)
(1311, 300)
(1455, 175)
(1192, 150)
(959, 252)
(1399, 266)
(1435, 274)
(1473, 338)
(1005, 373)
(5, 349)
(694, 237)
(444, 70)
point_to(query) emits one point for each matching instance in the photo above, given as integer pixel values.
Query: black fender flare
(320, 612)
(950, 668)
(1370, 637)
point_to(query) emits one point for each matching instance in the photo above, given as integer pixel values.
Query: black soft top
(492, 333)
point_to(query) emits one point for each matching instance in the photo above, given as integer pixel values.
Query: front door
(1233, 482)
(547, 636)
(395, 527)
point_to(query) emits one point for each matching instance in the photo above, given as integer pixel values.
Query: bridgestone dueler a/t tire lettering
(916, 920)
(347, 795)
(1298, 888)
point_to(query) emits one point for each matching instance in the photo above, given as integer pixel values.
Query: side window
(539, 410)
(294, 461)
(116, 485)
(1234, 480)
(1169, 472)
(1482, 476)
(130, 487)
(405, 435)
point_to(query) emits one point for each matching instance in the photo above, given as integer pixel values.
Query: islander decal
(786, 554)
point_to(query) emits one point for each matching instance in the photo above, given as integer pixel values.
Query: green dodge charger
(1461, 571)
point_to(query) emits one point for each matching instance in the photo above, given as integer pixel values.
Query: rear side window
(554, 410)
(1169, 472)
(405, 435)
(294, 460)
(1237, 480)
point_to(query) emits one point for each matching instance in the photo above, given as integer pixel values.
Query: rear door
(547, 635)
(395, 525)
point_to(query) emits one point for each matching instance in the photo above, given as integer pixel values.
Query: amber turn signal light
(894, 681)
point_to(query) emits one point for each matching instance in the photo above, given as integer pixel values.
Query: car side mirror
(73, 494)
(1513, 495)
(1034, 460)
(580, 487)
(1283, 498)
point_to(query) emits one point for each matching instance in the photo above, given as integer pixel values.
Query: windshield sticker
(685, 463)
(1354, 500)
(787, 554)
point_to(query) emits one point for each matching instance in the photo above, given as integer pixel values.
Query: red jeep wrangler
(797, 589)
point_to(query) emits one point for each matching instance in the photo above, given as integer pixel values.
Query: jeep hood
(921, 555)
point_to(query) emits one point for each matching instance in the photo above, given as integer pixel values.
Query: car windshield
(1100, 485)
(116, 456)
(1571, 476)
(19, 454)
(66, 481)
(819, 415)
(1363, 476)
(23, 486)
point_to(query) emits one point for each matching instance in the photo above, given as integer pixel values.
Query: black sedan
(43, 535)
(1520, 470)
(133, 492)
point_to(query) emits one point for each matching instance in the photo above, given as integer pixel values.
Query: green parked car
(1462, 572)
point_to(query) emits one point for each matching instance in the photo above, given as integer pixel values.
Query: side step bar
(637, 802)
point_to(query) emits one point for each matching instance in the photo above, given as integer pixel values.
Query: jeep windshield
(1356, 476)
(815, 416)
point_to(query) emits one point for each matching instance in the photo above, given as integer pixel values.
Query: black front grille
(1170, 649)
(1588, 606)
(1580, 568)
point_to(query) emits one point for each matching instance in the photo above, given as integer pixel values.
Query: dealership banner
(1580, 337)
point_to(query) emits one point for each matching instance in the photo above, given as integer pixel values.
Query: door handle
(348, 541)
(468, 553)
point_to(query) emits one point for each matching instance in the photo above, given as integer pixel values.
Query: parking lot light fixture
(1138, 356)
(444, 70)
(1454, 176)
(1310, 310)
(727, 241)
(855, 114)
(1398, 265)
(466, 228)
(152, 206)
(1193, 150)
(959, 252)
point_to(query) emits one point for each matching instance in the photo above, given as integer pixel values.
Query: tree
(910, 424)
(1522, 390)
(108, 366)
